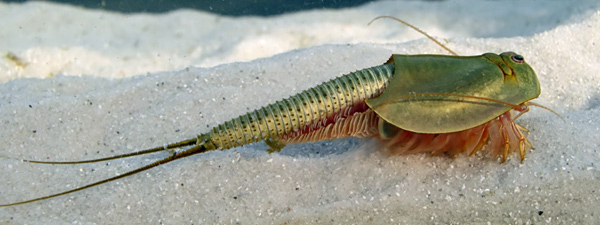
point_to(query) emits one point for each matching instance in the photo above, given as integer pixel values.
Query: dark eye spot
(517, 58)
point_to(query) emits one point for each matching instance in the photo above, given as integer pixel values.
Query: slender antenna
(526, 104)
(546, 108)
(454, 95)
(180, 144)
(417, 29)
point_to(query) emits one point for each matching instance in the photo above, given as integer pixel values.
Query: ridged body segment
(305, 110)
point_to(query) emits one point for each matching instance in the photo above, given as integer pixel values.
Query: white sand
(335, 182)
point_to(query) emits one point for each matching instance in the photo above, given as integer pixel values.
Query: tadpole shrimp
(413, 103)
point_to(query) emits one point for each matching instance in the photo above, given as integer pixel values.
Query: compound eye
(517, 58)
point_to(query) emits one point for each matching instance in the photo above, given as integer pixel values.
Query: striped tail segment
(305, 112)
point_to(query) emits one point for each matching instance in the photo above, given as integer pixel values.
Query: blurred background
(222, 7)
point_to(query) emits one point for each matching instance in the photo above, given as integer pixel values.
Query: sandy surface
(173, 92)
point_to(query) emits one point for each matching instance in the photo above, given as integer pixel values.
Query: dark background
(222, 7)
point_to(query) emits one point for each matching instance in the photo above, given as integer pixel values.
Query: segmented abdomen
(307, 109)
